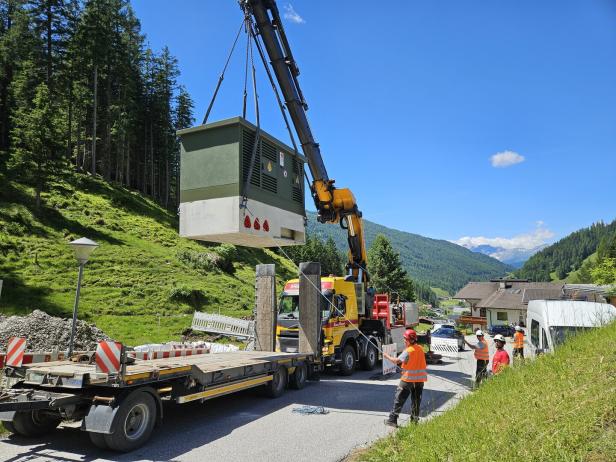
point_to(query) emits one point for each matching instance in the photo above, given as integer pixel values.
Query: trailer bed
(212, 368)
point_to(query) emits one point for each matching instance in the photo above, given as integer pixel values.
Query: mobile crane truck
(349, 308)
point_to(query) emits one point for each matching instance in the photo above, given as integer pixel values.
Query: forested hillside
(434, 262)
(568, 254)
(79, 88)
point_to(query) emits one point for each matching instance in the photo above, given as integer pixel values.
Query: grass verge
(560, 407)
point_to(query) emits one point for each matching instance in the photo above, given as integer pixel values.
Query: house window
(482, 312)
(501, 316)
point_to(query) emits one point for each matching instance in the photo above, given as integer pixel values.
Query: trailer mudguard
(99, 419)
(7, 416)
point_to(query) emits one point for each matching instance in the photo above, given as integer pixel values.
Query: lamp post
(83, 248)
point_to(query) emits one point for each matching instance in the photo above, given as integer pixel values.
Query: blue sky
(410, 101)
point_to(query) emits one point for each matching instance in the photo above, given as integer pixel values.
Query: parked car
(506, 331)
(448, 332)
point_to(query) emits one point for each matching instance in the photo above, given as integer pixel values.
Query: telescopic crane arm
(334, 205)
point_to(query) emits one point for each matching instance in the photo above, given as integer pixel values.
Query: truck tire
(348, 360)
(369, 360)
(133, 423)
(297, 380)
(34, 423)
(98, 440)
(277, 385)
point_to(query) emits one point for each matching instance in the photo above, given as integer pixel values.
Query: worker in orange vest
(518, 342)
(482, 355)
(414, 373)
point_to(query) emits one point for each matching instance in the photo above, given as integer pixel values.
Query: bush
(208, 261)
(194, 297)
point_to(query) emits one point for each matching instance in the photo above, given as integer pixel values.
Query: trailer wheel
(297, 380)
(34, 423)
(98, 440)
(10, 427)
(133, 423)
(369, 361)
(277, 385)
(348, 360)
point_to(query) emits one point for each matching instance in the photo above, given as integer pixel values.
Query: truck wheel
(348, 360)
(98, 440)
(34, 423)
(277, 385)
(297, 380)
(369, 361)
(133, 423)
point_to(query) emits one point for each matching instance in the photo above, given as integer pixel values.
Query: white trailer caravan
(550, 322)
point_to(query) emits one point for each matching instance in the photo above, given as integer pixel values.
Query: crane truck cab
(340, 340)
(354, 323)
(551, 322)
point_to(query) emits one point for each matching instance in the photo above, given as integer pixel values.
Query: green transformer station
(231, 193)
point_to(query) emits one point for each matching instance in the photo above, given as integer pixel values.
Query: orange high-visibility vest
(483, 354)
(518, 340)
(414, 369)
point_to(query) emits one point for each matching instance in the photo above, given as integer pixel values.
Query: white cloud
(292, 15)
(538, 237)
(506, 159)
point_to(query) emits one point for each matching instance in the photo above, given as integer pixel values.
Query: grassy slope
(128, 282)
(436, 262)
(561, 407)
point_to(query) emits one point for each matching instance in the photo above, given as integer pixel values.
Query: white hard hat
(499, 338)
(479, 333)
(518, 328)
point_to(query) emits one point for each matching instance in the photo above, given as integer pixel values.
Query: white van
(550, 322)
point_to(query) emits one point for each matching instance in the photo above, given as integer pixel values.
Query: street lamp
(83, 248)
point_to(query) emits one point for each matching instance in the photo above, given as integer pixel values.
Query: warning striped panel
(108, 357)
(15, 351)
(445, 346)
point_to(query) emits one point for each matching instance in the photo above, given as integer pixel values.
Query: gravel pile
(48, 333)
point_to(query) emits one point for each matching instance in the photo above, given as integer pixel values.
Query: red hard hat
(410, 334)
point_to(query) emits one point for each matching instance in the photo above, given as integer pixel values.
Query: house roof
(509, 294)
(476, 290)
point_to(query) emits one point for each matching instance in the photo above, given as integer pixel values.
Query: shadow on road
(193, 425)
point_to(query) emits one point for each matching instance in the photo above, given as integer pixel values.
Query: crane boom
(334, 205)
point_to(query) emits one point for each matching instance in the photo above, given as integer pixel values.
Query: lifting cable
(222, 74)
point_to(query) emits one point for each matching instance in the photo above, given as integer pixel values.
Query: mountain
(567, 255)
(438, 263)
(512, 257)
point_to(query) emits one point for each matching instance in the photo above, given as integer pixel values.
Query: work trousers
(403, 391)
(482, 371)
(518, 352)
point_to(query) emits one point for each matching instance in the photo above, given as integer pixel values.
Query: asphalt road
(246, 426)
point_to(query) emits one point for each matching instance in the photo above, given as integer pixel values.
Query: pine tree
(385, 268)
(37, 136)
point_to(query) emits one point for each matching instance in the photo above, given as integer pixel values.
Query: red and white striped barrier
(176, 353)
(15, 351)
(108, 357)
(39, 357)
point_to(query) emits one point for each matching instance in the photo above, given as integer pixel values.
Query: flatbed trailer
(119, 410)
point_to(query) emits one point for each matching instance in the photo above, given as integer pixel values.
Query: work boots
(392, 422)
